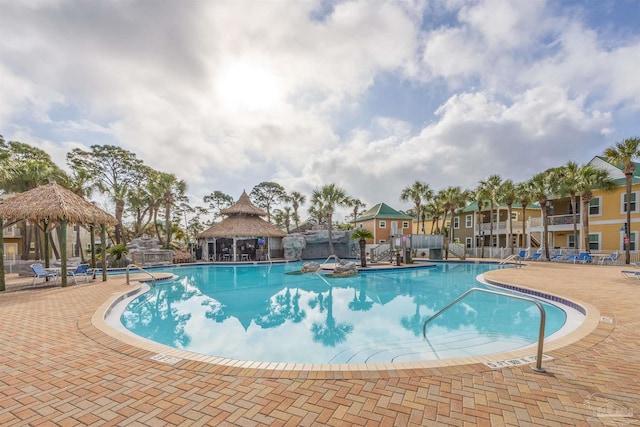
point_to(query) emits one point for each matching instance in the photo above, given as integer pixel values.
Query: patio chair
(40, 273)
(631, 274)
(559, 257)
(81, 270)
(582, 257)
(612, 259)
(534, 257)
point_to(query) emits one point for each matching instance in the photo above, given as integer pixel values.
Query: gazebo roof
(242, 226)
(243, 207)
(54, 203)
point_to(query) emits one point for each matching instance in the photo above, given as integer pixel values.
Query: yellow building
(606, 218)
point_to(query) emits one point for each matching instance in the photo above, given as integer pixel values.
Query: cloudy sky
(369, 95)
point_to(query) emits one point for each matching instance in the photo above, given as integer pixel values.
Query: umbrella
(52, 204)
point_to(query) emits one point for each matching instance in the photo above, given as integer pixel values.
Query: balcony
(556, 221)
(501, 227)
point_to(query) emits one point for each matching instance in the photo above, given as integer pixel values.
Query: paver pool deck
(59, 367)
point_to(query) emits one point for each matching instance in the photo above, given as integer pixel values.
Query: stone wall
(315, 245)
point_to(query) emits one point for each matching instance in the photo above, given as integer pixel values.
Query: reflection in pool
(268, 313)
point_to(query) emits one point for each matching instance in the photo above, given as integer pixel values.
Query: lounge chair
(40, 273)
(534, 257)
(612, 259)
(81, 270)
(631, 274)
(582, 257)
(559, 257)
(522, 254)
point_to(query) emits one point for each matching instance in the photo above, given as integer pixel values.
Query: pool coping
(128, 343)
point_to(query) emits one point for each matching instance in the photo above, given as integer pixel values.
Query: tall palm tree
(327, 198)
(418, 192)
(507, 195)
(567, 179)
(541, 186)
(589, 179)
(480, 197)
(624, 153)
(357, 208)
(297, 199)
(452, 199)
(524, 197)
(490, 187)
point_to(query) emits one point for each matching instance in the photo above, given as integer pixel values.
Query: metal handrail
(510, 259)
(328, 258)
(543, 319)
(143, 270)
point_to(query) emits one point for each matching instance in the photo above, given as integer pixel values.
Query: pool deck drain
(59, 369)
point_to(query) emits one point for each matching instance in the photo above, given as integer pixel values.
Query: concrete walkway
(57, 368)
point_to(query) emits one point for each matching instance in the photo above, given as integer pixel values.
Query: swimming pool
(268, 313)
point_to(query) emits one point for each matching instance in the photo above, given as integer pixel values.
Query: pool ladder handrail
(543, 318)
(153, 281)
(510, 259)
(328, 258)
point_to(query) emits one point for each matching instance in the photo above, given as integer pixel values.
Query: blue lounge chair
(631, 274)
(81, 270)
(40, 273)
(535, 256)
(612, 259)
(582, 257)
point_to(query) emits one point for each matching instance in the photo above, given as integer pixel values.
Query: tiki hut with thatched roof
(49, 206)
(243, 235)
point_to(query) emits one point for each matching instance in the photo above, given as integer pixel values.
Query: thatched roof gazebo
(244, 220)
(50, 205)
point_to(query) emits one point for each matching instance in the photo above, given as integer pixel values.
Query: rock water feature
(145, 251)
(315, 245)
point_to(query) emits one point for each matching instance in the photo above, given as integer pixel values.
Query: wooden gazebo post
(103, 237)
(2, 284)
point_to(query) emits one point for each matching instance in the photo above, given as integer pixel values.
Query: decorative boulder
(310, 267)
(293, 245)
(345, 268)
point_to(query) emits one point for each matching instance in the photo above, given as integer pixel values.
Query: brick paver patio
(58, 368)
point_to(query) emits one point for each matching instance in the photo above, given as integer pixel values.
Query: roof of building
(384, 211)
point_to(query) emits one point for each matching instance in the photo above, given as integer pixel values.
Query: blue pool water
(268, 313)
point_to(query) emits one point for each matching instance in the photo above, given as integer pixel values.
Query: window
(634, 205)
(456, 222)
(468, 221)
(594, 242)
(382, 224)
(495, 242)
(514, 215)
(570, 241)
(405, 224)
(594, 206)
(468, 242)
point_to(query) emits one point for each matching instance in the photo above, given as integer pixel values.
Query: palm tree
(591, 178)
(523, 196)
(490, 188)
(540, 187)
(417, 193)
(507, 195)
(567, 179)
(357, 208)
(452, 199)
(297, 199)
(480, 199)
(362, 234)
(623, 153)
(327, 198)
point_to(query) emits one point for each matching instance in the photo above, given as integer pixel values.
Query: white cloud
(229, 94)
